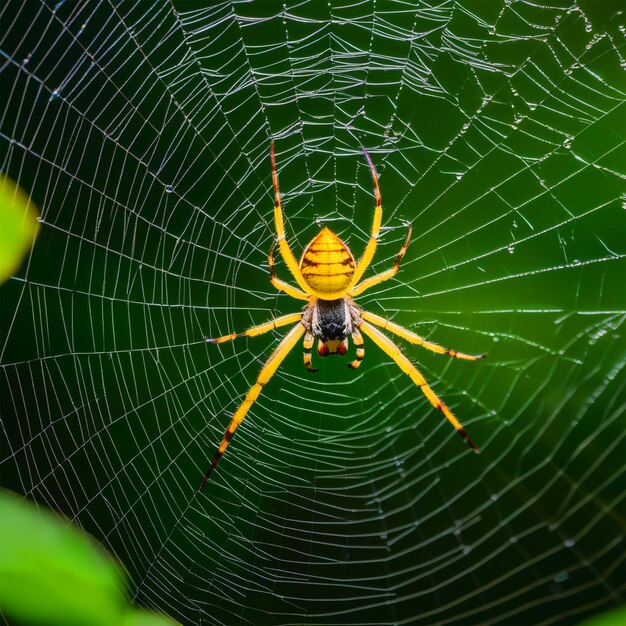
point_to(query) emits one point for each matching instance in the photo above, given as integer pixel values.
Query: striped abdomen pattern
(327, 265)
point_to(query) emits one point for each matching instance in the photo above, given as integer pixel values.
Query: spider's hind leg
(370, 248)
(357, 337)
(279, 223)
(387, 274)
(308, 345)
(281, 285)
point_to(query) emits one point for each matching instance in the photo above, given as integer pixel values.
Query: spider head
(332, 346)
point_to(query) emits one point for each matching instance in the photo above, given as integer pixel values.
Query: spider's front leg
(253, 331)
(389, 348)
(411, 337)
(268, 370)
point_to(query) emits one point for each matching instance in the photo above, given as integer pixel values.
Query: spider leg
(357, 338)
(283, 246)
(411, 337)
(308, 344)
(368, 255)
(386, 275)
(389, 348)
(261, 328)
(268, 370)
(281, 285)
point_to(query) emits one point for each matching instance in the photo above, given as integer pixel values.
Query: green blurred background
(141, 131)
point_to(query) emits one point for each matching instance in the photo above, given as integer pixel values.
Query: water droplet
(569, 543)
(561, 577)
(54, 95)
(511, 248)
(169, 188)
(459, 176)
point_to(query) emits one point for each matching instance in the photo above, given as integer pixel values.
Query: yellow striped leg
(411, 337)
(368, 255)
(308, 344)
(281, 285)
(357, 338)
(268, 370)
(283, 246)
(261, 328)
(389, 348)
(379, 278)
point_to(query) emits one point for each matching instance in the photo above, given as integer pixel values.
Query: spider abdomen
(327, 265)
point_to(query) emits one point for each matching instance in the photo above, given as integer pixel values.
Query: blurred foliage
(18, 226)
(53, 573)
(616, 617)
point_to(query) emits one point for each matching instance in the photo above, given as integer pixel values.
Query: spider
(329, 279)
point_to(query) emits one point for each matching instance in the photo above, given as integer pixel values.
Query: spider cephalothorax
(329, 278)
(331, 322)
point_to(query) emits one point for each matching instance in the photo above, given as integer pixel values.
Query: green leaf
(18, 226)
(52, 573)
(615, 617)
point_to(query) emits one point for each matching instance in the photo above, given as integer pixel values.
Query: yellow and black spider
(328, 277)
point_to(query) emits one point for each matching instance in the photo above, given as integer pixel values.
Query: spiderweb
(142, 132)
